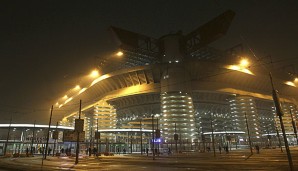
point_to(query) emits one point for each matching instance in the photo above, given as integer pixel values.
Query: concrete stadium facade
(224, 99)
(181, 86)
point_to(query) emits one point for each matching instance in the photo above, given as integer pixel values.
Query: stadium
(178, 84)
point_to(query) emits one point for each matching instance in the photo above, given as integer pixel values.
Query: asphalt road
(268, 159)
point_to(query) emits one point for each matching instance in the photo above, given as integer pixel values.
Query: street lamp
(141, 136)
(94, 73)
(77, 87)
(119, 53)
(244, 63)
(242, 67)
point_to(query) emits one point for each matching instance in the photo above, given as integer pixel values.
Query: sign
(71, 136)
(157, 140)
(36, 139)
(79, 125)
(55, 135)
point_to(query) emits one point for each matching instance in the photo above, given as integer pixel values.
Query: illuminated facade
(177, 116)
(187, 87)
(104, 117)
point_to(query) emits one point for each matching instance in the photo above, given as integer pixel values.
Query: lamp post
(141, 136)
(153, 151)
(32, 141)
(48, 135)
(227, 142)
(211, 124)
(278, 136)
(176, 139)
(248, 133)
(97, 138)
(279, 112)
(78, 137)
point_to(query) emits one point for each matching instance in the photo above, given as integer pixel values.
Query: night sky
(46, 47)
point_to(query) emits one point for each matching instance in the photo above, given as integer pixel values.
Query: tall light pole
(141, 136)
(48, 135)
(227, 142)
(211, 124)
(91, 136)
(277, 133)
(153, 151)
(32, 141)
(97, 139)
(78, 137)
(280, 114)
(157, 136)
(248, 133)
(176, 139)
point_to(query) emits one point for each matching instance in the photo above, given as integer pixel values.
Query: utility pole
(153, 151)
(130, 143)
(8, 132)
(157, 130)
(227, 141)
(48, 135)
(294, 126)
(91, 137)
(33, 136)
(176, 139)
(180, 144)
(141, 136)
(248, 133)
(98, 147)
(211, 123)
(78, 137)
(280, 114)
(278, 136)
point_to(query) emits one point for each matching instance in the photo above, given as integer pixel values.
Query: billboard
(79, 125)
(71, 136)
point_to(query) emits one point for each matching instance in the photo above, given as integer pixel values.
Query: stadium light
(94, 73)
(119, 53)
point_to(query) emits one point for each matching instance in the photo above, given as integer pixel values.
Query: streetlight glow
(244, 62)
(77, 87)
(290, 83)
(119, 53)
(94, 73)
